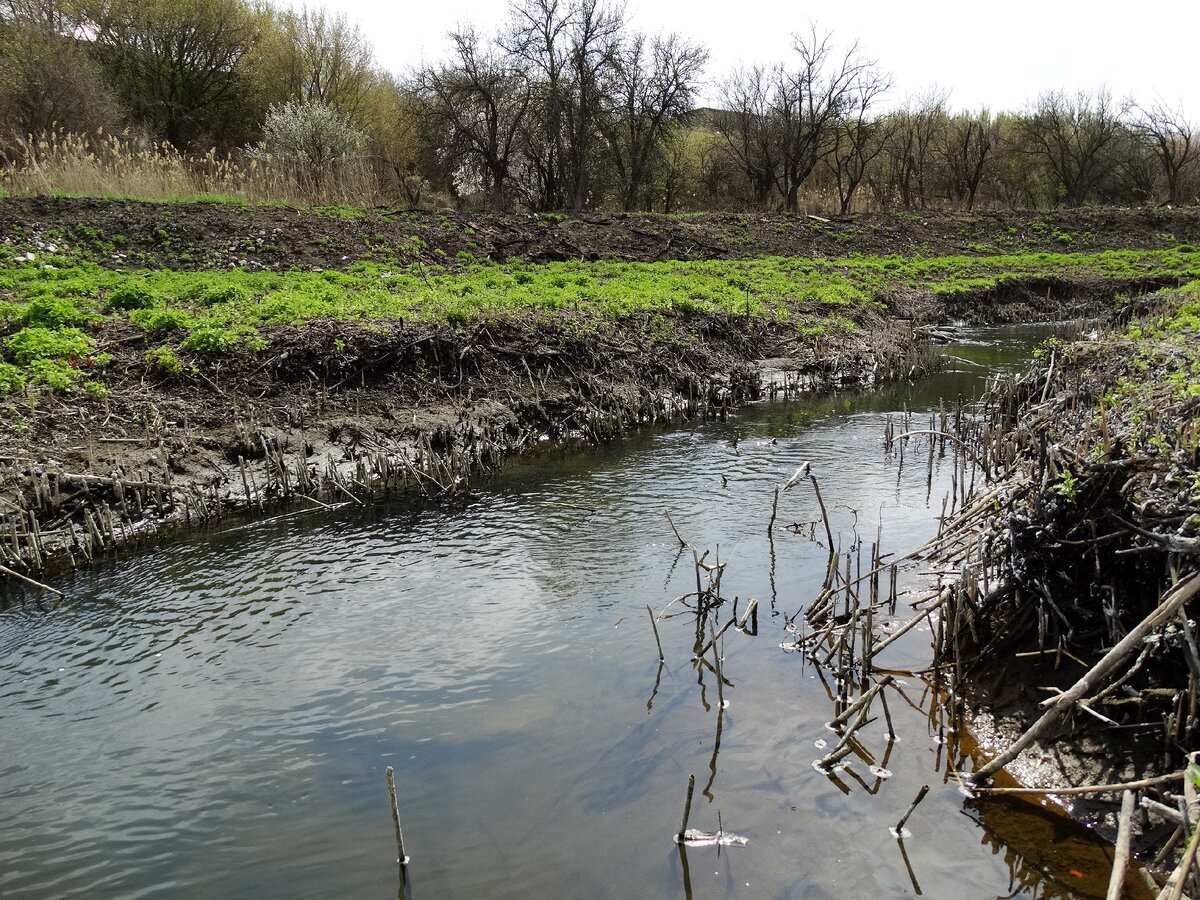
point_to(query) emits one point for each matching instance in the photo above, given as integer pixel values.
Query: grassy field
(57, 304)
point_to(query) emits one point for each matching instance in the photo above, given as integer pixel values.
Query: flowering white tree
(314, 144)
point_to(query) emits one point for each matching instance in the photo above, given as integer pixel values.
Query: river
(214, 717)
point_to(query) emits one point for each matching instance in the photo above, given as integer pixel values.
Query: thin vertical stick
(887, 715)
(391, 783)
(920, 796)
(654, 625)
(1121, 859)
(687, 810)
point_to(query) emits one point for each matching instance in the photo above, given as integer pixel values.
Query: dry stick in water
(5, 570)
(846, 745)
(806, 471)
(920, 796)
(1061, 704)
(713, 640)
(1086, 789)
(862, 701)
(682, 542)
(746, 616)
(687, 810)
(1121, 859)
(391, 783)
(654, 625)
(887, 716)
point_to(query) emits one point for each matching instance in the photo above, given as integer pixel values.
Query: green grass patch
(213, 312)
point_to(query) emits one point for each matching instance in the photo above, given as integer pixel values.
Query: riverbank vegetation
(564, 107)
(63, 308)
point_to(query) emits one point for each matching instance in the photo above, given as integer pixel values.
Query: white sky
(1001, 54)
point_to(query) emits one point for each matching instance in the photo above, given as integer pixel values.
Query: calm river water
(213, 718)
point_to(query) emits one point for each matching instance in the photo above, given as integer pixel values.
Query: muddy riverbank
(306, 408)
(1071, 625)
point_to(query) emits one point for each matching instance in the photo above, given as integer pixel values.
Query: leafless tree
(748, 128)
(651, 85)
(779, 120)
(967, 144)
(1075, 136)
(859, 136)
(1173, 138)
(566, 47)
(912, 161)
(479, 103)
(808, 102)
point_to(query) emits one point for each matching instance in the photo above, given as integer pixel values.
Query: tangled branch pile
(1078, 561)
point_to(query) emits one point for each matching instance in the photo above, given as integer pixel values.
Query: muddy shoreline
(337, 411)
(1072, 626)
(418, 409)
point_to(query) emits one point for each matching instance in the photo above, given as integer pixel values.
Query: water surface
(214, 717)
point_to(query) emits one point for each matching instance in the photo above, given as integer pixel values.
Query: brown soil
(214, 235)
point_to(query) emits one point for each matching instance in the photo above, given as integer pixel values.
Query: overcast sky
(999, 54)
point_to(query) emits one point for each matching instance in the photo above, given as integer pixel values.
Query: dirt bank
(412, 407)
(214, 235)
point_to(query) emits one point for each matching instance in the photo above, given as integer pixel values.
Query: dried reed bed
(122, 165)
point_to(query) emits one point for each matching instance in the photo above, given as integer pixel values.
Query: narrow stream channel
(214, 717)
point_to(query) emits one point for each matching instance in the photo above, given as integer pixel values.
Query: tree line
(563, 107)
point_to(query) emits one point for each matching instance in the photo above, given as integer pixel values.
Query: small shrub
(55, 374)
(34, 343)
(53, 312)
(228, 293)
(130, 297)
(208, 339)
(164, 359)
(95, 389)
(159, 319)
(12, 379)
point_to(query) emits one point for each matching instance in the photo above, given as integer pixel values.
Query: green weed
(35, 343)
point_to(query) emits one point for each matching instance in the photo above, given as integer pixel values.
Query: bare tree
(1172, 137)
(566, 47)
(968, 142)
(911, 158)
(747, 125)
(859, 136)
(652, 84)
(1075, 135)
(807, 103)
(779, 121)
(479, 103)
